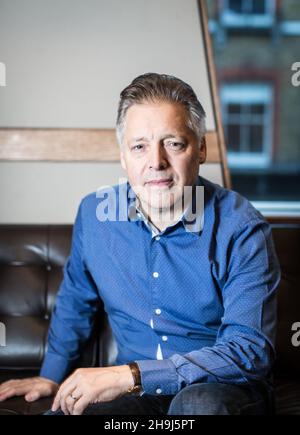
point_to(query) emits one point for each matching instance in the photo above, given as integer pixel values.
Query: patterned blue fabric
(206, 295)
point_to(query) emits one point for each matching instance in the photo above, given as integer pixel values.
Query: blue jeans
(195, 399)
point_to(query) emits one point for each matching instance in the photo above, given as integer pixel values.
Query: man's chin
(160, 204)
(161, 198)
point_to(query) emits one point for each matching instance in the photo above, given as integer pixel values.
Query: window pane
(261, 66)
(256, 138)
(234, 137)
(234, 108)
(257, 109)
(236, 6)
(258, 6)
(246, 6)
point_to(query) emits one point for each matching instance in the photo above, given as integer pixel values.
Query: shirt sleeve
(244, 347)
(73, 315)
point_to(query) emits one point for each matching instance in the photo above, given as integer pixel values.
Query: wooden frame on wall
(100, 145)
(72, 145)
(220, 138)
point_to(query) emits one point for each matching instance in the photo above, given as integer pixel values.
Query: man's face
(160, 153)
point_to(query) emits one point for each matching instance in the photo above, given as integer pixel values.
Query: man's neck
(162, 218)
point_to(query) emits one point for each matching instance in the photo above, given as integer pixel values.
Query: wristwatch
(137, 387)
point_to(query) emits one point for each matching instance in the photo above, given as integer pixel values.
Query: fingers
(57, 399)
(41, 390)
(33, 395)
(60, 402)
(13, 388)
(64, 406)
(80, 405)
(75, 396)
(5, 385)
(72, 399)
(31, 388)
(63, 394)
(37, 393)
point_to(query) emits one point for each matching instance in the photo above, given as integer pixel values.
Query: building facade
(257, 55)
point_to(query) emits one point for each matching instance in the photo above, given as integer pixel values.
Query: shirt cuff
(55, 367)
(159, 377)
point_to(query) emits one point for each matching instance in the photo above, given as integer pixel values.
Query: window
(247, 7)
(260, 98)
(247, 116)
(248, 13)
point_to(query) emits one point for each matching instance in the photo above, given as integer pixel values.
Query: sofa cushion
(287, 393)
(287, 243)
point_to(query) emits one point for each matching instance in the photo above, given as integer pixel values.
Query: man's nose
(158, 158)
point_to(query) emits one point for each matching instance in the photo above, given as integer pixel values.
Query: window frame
(250, 93)
(231, 19)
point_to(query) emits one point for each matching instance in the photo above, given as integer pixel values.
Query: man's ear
(202, 151)
(123, 162)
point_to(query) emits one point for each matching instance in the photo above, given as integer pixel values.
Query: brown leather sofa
(31, 262)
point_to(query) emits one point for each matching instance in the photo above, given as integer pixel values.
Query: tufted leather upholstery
(31, 262)
(287, 372)
(31, 270)
(287, 240)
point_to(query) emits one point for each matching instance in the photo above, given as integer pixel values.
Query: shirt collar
(192, 218)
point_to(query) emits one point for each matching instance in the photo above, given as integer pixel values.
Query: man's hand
(87, 386)
(32, 388)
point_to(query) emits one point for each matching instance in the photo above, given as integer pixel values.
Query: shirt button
(158, 391)
(158, 311)
(157, 238)
(155, 274)
(164, 338)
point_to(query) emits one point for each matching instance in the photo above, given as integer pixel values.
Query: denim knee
(203, 399)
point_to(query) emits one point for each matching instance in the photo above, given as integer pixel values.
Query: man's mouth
(160, 182)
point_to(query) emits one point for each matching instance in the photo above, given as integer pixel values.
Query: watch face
(137, 389)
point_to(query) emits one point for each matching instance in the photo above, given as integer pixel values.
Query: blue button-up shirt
(192, 304)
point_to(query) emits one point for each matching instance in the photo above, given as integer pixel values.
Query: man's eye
(137, 147)
(176, 145)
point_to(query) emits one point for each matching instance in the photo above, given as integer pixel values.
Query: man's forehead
(144, 104)
(140, 125)
(163, 136)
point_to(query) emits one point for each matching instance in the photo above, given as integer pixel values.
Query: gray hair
(161, 87)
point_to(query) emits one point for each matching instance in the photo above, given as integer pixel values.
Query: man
(190, 292)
